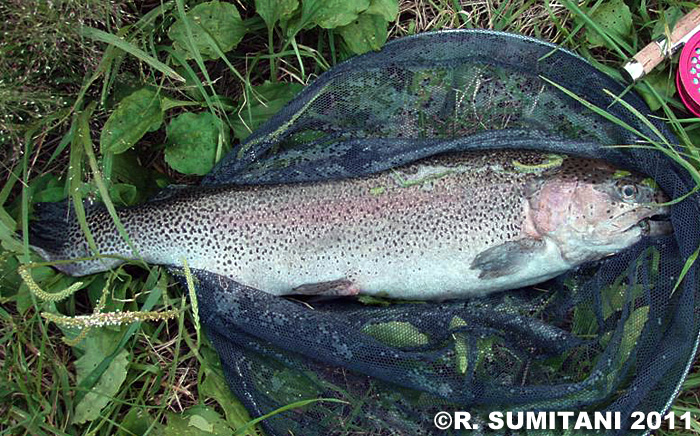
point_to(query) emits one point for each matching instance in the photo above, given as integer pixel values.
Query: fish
(449, 226)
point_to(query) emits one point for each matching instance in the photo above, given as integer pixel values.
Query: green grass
(66, 70)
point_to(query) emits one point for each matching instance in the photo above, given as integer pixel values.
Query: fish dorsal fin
(169, 192)
(361, 157)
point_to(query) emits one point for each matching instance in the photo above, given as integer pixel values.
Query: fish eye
(628, 192)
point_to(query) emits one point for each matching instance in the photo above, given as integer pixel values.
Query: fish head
(593, 210)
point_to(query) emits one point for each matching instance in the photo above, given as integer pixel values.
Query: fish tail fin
(50, 226)
(54, 233)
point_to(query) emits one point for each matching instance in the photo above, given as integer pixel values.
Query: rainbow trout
(445, 227)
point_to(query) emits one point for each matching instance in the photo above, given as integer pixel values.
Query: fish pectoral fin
(340, 287)
(506, 258)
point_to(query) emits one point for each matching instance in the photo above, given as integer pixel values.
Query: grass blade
(75, 178)
(120, 43)
(294, 405)
(83, 135)
(194, 50)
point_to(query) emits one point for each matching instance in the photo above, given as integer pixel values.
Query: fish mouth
(655, 222)
(656, 225)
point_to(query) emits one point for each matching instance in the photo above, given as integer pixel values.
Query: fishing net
(610, 336)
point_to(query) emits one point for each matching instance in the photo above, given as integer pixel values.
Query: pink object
(688, 77)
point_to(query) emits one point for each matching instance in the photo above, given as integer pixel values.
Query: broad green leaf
(23, 299)
(670, 17)
(457, 322)
(272, 11)
(51, 194)
(35, 193)
(330, 14)
(388, 9)
(367, 32)
(615, 18)
(127, 169)
(221, 20)
(123, 194)
(461, 352)
(193, 140)
(633, 328)
(40, 276)
(664, 85)
(584, 323)
(371, 300)
(396, 334)
(91, 379)
(8, 237)
(10, 281)
(54, 190)
(461, 345)
(290, 385)
(98, 345)
(292, 406)
(484, 347)
(125, 84)
(214, 386)
(169, 103)
(268, 99)
(197, 421)
(201, 423)
(135, 115)
(136, 422)
(694, 136)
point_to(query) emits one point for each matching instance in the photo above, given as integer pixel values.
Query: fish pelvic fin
(341, 287)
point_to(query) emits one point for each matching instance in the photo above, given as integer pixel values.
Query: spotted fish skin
(444, 227)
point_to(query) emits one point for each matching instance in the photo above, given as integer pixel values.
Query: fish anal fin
(340, 287)
(506, 258)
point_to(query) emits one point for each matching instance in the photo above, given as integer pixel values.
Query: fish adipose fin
(506, 258)
(341, 287)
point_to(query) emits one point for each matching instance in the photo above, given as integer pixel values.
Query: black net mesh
(608, 336)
